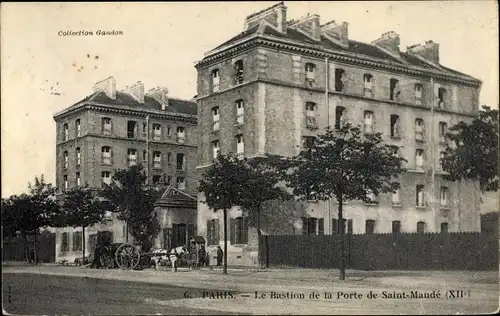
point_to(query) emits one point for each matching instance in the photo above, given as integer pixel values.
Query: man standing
(201, 256)
(220, 254)
(173, 259)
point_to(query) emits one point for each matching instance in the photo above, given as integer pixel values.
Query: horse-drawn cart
(120, 255)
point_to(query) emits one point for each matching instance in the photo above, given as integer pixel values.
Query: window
(370, 226)
(144, 128)
(215, 118)
(181, 135)
(310, 114)
(368, 82)
(419, 129)
(78, 128)
(419, 159)
(371, 197)
(396, 227)
(368, 122)
(444, 197)
(65, 181)
(310, 73)
(215, 148)
(421, 227)
(213, 229)
(339, 119)
(441, 160)
(65, 160)
(395, 198)
(169, 156)
(336, 226)
(312, 226)
(77, 241)
(181, 161)
(78, 179)
(238, 230)
(131, 129)
(64, 242)
(238, 66)
(106, 126)
(181, 183)
(444, 227)
(156, 132)
(106, 177)
(240, 145)
(394, 90)
(169, 131)
(157, 160)
(169, 180)
(443, 129)
(131, 157)
(395, 150)
(106, 155)
(156, 179)
(418, 93)
(240, 112)
(78, 156)
(420, 195)
(441, 98)
(394, 126)
(66, 132)
(215, 80)
(144, 155)
(340, 80)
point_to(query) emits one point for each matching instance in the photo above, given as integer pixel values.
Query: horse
(159, 257)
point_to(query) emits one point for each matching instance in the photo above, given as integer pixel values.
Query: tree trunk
(34, 248)
(258, 236)
(26, 248)
(83, 245)
(341, 231)
(225, 242)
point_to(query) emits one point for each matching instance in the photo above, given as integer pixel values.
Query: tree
(260, 183)
(81, 208)
(221, 185)
(473, 153)
(134, 203)
(346, 165)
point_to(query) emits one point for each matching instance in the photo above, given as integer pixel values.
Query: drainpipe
(433, 145)
(147, 149)
(327, 70)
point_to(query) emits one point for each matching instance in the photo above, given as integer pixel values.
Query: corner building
(114, 129)
(280, 81)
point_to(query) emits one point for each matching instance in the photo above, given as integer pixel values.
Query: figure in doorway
(201, 256)
(220, 254)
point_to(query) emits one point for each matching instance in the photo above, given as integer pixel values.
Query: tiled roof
(356, 47)
(125, 99)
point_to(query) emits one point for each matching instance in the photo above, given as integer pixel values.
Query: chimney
(308, 25)
(275, 16)
(160, 94)
(390, 41)
(107, 85)
(337, 32)
(136, 91)
(429, 51)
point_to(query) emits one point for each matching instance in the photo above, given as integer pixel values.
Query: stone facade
(278, 83)
(98, 140)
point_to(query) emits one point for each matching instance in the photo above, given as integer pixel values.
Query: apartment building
(280, 81)
(114, 129)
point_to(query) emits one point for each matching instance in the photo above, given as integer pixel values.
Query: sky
(43, 73)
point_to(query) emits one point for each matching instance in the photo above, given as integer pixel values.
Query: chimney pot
(390, 41)
(107, 85)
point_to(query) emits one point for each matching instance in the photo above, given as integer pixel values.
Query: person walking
(220, 255)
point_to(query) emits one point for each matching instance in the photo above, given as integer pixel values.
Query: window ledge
(421, 207)
(415, 171)
(444, 208)
(398, 205)
(239, 124)
(396, 137)
(372, 204)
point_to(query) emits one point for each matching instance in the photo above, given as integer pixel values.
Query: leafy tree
(81, 208)
(473, 153)
(134, 203)
(221, 185)
(345, 165)
(280, 216)
(260, 182)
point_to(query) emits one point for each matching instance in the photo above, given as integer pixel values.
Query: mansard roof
(355, 48)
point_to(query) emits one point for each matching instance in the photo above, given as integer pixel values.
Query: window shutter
(232, 229)
(321, 226)
(304, 226)
(190, 231)
(335, 226)
(217, 232)
(349, 226)
(245, 230)
(436, 96)
(209, 232)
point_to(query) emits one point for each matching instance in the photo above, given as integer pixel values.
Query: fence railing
(408, 251)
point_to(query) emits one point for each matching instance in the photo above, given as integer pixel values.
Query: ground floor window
(313, 226)
(77, 241)
(336, 226)
(239, 230)
(64, 242)
(213, 232)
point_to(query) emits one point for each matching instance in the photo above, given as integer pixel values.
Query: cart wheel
(127, 256)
